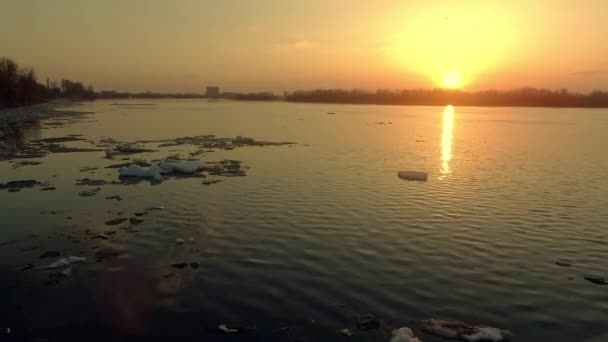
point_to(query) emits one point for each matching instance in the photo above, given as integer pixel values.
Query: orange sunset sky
(247, 45)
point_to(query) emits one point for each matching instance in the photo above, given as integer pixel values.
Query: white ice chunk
(404, 334)
(486, 334)
(63, 262)
(135, 170)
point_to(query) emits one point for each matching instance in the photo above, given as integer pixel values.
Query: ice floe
(404, 334)
(64, 262)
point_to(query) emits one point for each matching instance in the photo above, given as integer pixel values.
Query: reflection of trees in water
(18, 134)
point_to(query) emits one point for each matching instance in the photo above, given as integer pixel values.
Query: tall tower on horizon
(213, 92)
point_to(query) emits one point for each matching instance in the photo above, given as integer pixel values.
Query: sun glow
(447, 137)
(452, 79)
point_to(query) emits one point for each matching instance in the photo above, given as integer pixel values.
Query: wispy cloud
(594, 72)
(302, 44)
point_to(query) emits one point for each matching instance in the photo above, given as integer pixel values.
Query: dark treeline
(111, 94)
(265, 96)
(525, 97)
(19, 86)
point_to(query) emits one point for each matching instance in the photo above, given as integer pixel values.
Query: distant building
(213, 92)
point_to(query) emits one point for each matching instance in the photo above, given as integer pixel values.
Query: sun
(452, 79)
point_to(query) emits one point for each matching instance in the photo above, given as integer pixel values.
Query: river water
(318, 232)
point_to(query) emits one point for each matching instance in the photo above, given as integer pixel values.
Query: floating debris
(118, 198)
(211, 181)
(179, 265)
(116, 221)
(463, 331)
(48, 188)
(27, 267)
(135, 221)
(89, 193)
(563, 264)
(194, 265)
(404, 334)
(191, 239)
(413, 175)
(179, 241)
(597, 280)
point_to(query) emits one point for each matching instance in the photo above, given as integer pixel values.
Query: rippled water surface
(320, 231)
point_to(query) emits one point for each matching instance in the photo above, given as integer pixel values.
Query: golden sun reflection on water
(447, 137)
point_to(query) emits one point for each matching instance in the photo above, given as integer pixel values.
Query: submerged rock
(404, 334)
(210, 181)
(413, 175)
(48, 188)
(463, 331)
